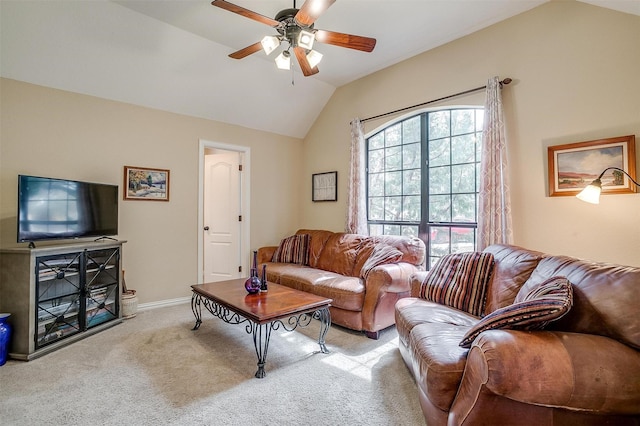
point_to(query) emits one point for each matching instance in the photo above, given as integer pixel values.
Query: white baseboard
(163, 303)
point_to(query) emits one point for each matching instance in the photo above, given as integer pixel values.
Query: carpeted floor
(154, 370)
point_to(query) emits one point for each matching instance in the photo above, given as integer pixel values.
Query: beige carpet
(154, 370)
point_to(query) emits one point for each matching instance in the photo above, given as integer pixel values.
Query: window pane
(377, 141)
(439, 180)
(376, 161)
(411, 156)
(463, 178)
(440, 208)
(439, 152)
(409, 231)
(376, 208)
(391, 229)
(438, 124)
(464, 207)
(393, 183)
(411, 130)
(479, 120)
(463, 149)
(393, 208)
(376, 185)
(392, 135)
(462, 121)
(411, 182)
(375, 229)
(411, 208)
(393, 158)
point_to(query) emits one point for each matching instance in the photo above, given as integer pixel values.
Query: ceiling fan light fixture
(283, 60)
(314, 58)
(306, 39)
(270, 43)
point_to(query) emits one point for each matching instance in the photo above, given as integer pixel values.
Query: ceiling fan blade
(243, 53)
(366, 44)
(311, 10)
(245, 12)
(301, 56)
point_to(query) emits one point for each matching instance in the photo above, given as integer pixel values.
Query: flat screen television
(51, 209)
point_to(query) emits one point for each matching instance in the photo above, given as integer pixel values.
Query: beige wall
(53, 133)
(576, 73)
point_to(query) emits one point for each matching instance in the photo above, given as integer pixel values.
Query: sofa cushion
(459, 280)
(339, 253)
(532, 309)
(346, 292)
(605, 297)
(513, 267)
(412, 311)
(293, 249)
(380, 255)
(318, 239)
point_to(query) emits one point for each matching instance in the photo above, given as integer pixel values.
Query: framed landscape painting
(574, 166)
(141, 183)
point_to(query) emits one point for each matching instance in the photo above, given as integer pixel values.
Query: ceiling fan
(295, 26)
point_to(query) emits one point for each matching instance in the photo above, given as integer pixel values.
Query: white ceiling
(172, 54)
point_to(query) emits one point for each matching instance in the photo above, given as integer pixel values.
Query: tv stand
(59, 294)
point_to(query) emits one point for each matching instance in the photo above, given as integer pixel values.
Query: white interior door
(222, 210)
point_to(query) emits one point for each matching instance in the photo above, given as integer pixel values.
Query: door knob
(206, 228)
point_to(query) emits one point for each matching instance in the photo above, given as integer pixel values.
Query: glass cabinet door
(58, 287)
(101, 289)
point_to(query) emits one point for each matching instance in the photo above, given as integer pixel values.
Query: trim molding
(163, 303)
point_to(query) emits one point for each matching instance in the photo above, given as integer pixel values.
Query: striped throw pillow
(459, 280)
(294, 249)
(531, 310)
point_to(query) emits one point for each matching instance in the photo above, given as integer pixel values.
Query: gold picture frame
(574, 166)
(143, 183)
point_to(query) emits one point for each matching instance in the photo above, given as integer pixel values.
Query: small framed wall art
(324, 186)
(574, 166)
(141, 183)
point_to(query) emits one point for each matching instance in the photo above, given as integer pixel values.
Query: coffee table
(263, 312)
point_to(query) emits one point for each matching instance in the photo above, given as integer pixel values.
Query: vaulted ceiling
(173, 54)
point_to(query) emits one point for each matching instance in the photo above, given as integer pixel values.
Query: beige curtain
(356, 222)
(494, 216)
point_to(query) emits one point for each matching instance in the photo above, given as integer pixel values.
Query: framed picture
(324, 186)
(141, 183)
(574, 166)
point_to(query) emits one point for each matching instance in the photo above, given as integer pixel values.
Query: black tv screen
(50, 209)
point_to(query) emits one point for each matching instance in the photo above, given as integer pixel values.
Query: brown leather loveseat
(365, 276)
(582, 368)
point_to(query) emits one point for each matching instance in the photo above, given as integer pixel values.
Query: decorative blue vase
(5, 338)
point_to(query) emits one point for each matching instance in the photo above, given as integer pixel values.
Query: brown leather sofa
(582, 369)
(335, 268)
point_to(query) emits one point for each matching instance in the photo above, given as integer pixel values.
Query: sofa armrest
(384, 286)
(265, 254)
(416, 282)
(570, 371)
(391, 278)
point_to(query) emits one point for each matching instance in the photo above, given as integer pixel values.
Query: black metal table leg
(261, 337)
(325, 322)
(196, 307)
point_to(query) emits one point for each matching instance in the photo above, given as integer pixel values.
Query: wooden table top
(277, 303)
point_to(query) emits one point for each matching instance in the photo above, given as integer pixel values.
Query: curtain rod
(505, 81)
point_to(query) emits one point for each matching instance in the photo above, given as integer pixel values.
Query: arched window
(423, 176)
